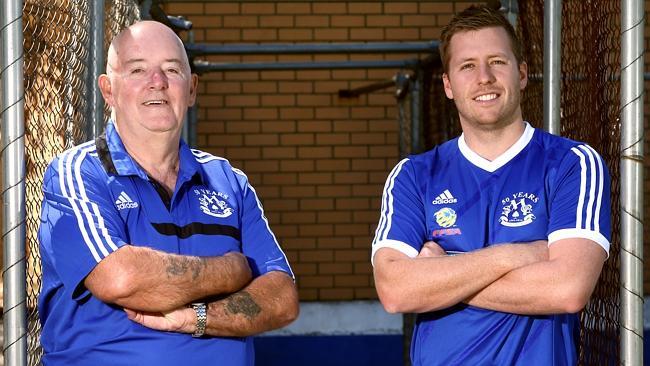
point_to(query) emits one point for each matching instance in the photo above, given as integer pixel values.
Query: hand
(181, 320)
(431, 249)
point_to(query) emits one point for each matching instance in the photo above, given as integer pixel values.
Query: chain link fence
(56, 47)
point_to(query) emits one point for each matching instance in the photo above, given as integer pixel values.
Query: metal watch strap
(201, 319)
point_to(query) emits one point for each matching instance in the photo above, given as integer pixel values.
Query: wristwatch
(201, 318)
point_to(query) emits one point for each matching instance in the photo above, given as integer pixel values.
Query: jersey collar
(503, 159)
(116, 159)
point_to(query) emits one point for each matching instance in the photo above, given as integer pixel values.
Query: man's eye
(173, 71)
(466, 66)
(137, 71)
(498, 62)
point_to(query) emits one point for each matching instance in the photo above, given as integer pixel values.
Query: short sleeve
(580, 202)
(402, 219)
(259, 244)
(80, 225)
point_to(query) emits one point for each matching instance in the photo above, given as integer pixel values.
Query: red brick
(332, 113)
(336, 294)
(317, 230)
(317, 256)
(350, 177)
(334, 242)
(315, 178)
(315, 152)
(383, 21)
(350, 151)
(351, 281)
(258, 8)
(313, 75)
(296, 87)
(206, 127)
(293, 8)
(244, 153)
(284, 204)
(223, 87)
(366, 268)
(351, 229)
(366, 34)
(314, 126)
(310, 100)
(296, 113)
(223, 35)
(335, 268)
(297, 139)
(386, 151)
(430, 32)
(262, 166)
(185, 9)
(368, 190)
(224, 114)
(296, 34)
(300, 243)
(285, 230)
(261, 139)
(243, 127)
(257, 58)
(350, 126)
(232, 140)
(366, 293)
(349, 75)
(333, 191)
(307, 294)
(352, 203)
(312, 21)
(334, 217)
(212, 100)
(382, 99)
(315, 281)
(370, 216)
(317, 204)
(298, 192)
(324, 165)
(333, 139)
(328, 34)
(279, 152)
(299, 217)
(401, 8)
(261, 113)
(347, 21)
(368, 138)
(330, 86)
(365, 8)
(279, 75)
(242, 75)
(279, 126)
(222, 8)
(403, 34)
(329, 8)
(297, 165)
(301, 268)
(259, 87)
(240, 21)
(260, 34)
(436, 7)
(279, 100)
(206, 21)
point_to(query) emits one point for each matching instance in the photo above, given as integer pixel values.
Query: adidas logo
(444, 197)
(124, 202)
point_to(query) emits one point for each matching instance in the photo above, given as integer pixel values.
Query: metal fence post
(552, 65)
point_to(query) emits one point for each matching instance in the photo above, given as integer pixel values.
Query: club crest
(517, 209)
(214, 203)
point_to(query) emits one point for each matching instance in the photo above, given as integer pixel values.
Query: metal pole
(416, 113)
(632, 139)
(552, 69)
(13, 184)
(96, 54)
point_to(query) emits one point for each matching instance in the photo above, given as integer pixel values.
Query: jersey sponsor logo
(124, 202)
(446, 232)
(444, 198)
(214, 203)
(517, 209)
(445, 217)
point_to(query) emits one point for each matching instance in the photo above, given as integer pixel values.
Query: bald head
(145, 33)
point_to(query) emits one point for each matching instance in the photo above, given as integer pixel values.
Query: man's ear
(447, 84)
(194, 84)
(105, 86)
(523, 75)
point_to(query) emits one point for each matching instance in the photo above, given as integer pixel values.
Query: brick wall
(318, 161)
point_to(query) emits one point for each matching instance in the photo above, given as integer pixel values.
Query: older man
(153, 253)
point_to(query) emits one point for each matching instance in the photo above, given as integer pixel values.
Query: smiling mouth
(486, 97)
(155, 102)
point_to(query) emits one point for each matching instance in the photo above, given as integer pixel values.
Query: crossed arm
(155, 286)
(515, 278)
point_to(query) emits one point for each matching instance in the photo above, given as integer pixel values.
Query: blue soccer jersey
(98, 199)
(544, 187)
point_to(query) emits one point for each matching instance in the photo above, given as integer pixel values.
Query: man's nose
(486, 75)
(158, 80)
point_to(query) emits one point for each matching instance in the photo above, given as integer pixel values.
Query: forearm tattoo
(242, 303)
(178, 266)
